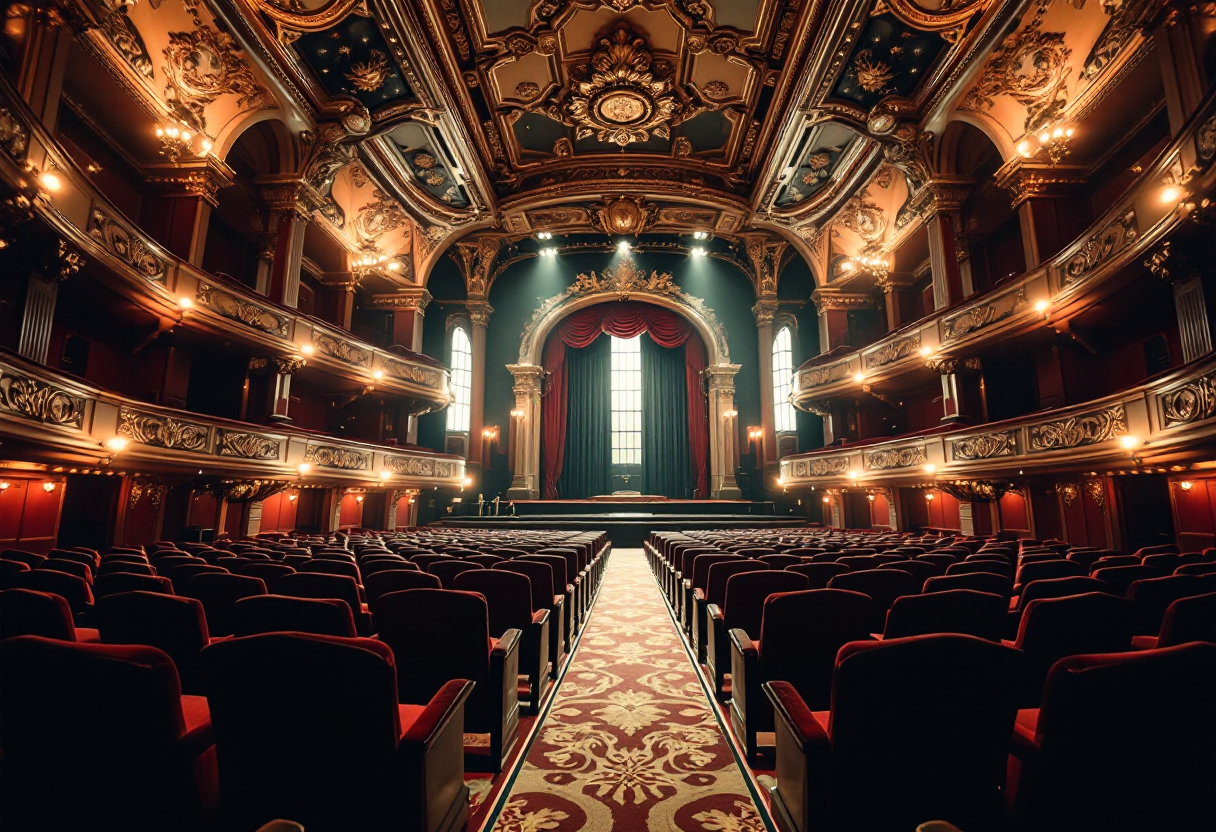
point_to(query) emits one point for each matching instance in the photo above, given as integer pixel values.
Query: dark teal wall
(794, 292)
(518, 291)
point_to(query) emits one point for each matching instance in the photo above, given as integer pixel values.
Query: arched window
(462, 380)
(783, 381)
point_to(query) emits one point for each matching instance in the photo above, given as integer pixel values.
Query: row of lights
(48, 487)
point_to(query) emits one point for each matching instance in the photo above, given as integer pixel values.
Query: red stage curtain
(623, 320)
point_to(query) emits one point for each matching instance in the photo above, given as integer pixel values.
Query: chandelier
(371, 261)
(873, 263)
(1051, 140)
(176, 141)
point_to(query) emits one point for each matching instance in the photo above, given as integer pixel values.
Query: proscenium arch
(532, 349)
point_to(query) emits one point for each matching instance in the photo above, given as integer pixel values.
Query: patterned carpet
(631, 741)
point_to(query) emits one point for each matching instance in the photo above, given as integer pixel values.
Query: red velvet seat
(979, 581)
(1153, 597)
(563, 585)
(1109, 561)
(858, 563)
(184, 573)
(340, 753)
(438, 635)
(800, 635)
(447, 570)
(117, 582)
(282, 613)
(544, 597)
(970, 567)
(882, 585)
(140, 760)
(1165, 563)
(163, 563)
(424, 561)
(71, 567)
(320, 585)
(374, 565)
(1120, 578)
(780, 561)
(112, 567)
(219, 594)
(486, 561)
(26, 612)
(268, 572)
(692, 585)
(328, 566)
(965, 611)
(1189, 619)
(1198, 568)
(742, 609)
(379, 584)
(74, 590)
(1123, 743)
(1046, 570)
(715, 594)
(921, 570)
(508, 598)
(9, 568)
(1048, 588)
(30, 559)
(818, 574)
(176, 625)
(89, 558)
(939, 753)
(1053, 628)
(943, 560)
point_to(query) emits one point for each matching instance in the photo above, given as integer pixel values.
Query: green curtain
(665, 454)
(586, 471)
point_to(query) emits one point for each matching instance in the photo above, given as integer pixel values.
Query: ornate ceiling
(417, 124)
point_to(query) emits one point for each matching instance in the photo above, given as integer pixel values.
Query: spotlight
(548, 251)
(517, 414)
(378, 374)
(698, 251)
(184, 303)
(930, 468)
(623, 247)
(50, 182)
(1170, 194)
(858, 377)
(544, 235)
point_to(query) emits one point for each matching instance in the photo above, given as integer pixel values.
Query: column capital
(764, 311)
(415, 297)
(826, 300)
(289, 365)
(1026, 180)
(945, 365)
(479, 312)
(528, 377)
(286, 196)
(722, 376)
(201, 178)
(475, 258)
(765, 252)
(942, 194)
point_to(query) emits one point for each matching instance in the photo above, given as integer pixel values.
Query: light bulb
(385, 473)
(1170, 194)
(184, 303)
(117, 444)
(624, 247)
(303, 468)
(930, 468)
(48, 487)
(929, 496)
(858, 377)
(926, 352)
(1040, 306)
(1186, 485)
(50, 181)
(379, 374)
(306, 349)
(1129, 442)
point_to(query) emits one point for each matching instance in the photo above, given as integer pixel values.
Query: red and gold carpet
(631, 742)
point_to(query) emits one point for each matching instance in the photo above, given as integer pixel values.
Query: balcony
(59, 421)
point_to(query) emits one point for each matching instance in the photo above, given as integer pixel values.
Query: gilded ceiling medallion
(623, 97)
(370, 75)
(624, 215)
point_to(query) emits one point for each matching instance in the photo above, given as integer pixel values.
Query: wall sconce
(1129, 443)
(1052, 140)
(359, 498)
(870, 497)
(930, 468)
(490, 434)
(49, 181)
(852, 475)
(517, 414)
(116, 444)
(827, 500)
(1186, 485)
(3, 486)
(291, 498)
(303, 468)
(859, 377)
(929, 496)
(174, 141)
(48, 487)
(378, 374)
(307, 349)
(385, 474)
(754, 434)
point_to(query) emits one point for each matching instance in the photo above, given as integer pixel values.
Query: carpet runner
(631, 741)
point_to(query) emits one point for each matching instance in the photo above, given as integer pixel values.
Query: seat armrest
(540, 617)
(698, 594)
(443, 706)
(1024, 744)
(507, 644)
(713, 612)
(686, 582)
(742, 642)
(796, 716)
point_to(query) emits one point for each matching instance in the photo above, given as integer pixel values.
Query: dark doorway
(856, 510)
(1148, 517)
(88, 506)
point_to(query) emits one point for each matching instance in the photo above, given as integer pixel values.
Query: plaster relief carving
(1077, 431)
(201, 66)
(1030, 67)
(163, 431)
(39, 401)
(986, 446)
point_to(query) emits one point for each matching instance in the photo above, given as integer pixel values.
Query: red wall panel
(141, 522)
(279, 512)
(1194, 513)
(1014, 514)
(352, 510)
(202, 511)
(943, 511)
(29, 515)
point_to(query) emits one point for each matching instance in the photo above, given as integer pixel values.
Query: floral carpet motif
(631, 741)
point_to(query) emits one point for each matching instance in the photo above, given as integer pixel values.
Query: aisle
(631, 742)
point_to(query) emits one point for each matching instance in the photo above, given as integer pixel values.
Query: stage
(627, 521)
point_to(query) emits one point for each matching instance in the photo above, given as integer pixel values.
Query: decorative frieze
(1098, 249)
(330, 456)
(821, 467)
(417, 373)
(983, 315)
(126, 245)
(985, 446)
(248, 445)
(238, 309)
(1080, 430)
(887, 458)
(342, 350)
(1191, 401)
(410, 466)
(892, 351)
(40, 401)
(14, 135)
(163, 431)
(819, 376)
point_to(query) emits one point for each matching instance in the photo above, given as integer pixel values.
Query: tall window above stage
(461, 364)
(783, 381)
(626, 401)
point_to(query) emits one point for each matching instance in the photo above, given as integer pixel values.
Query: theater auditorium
(607, 416)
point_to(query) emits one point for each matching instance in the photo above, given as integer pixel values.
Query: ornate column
(289, 218)
(1172, 263)
(764, 310)
(41, 295)
(529, 381)
(833, 307)
(479, 317)
(942, 198)
(408, 307)
(284, 369)
(345, 296)
(43, 60)
(953, 403)
(892, 287)
(178, 214)
(1179, 40)
(722, 485)
(1038, 192)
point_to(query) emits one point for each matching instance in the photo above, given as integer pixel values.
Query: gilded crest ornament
(629, 215)
(370, 75)
(872, 74)
(203, 65)
(623, 97)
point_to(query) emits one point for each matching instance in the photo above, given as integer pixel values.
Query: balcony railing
(149, 273)
(1159, 423)
(69, 422)
(1070, 280)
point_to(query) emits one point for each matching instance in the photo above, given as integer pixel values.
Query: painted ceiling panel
(890, 58)
(428, 168)
(741, 14)
(539, 133)
(817, 164)
(353, 58)
(501, 15)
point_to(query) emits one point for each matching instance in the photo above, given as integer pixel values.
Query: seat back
(979, 581)
(1108, 561)
(780, 561)
(437, 635)
(818, 574)
(268, 572)
(1153, 597)
(801, 632)
(1093, 622)
(882, 585)
(330, 566)
(130, 567)
(746, 592)
(562, 576)
(921, 570)
(9, 568)
(508, 597)
(117, 582)
(447, 570)
(1189, 619)
(968, 567)
(30, 559)
(1091, 775)
(1164, 563)
(382, 583)
(1058, 588)
(72, 567)
(701, 565)
(181, 575)
(327, 758)
(219, 594)
(283, 613)
(1120, 578)
(27, 612)
(124, 766)
(176, 625)
(1046, 569)
(541, 576)
(721, 573)
(965, 611)
(950, 758)
(320, 585)
(74, 590)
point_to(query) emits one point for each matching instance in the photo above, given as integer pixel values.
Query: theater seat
(715, 595)
(319, 585)
(871, 764)
(340, 753)
(378, 584)
(140, 759)
(1123, 743)
(544, 596)
(883, 586)
(1192, 618)
(219, 594)
(447, 570)
(176, 625)
(980, 582)
(27, 612)
(965, 611)
(277, 613)
(74, 590)
(742, 609)
(9, 568)
(800, 634)
(818, 574)
(438, 635)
